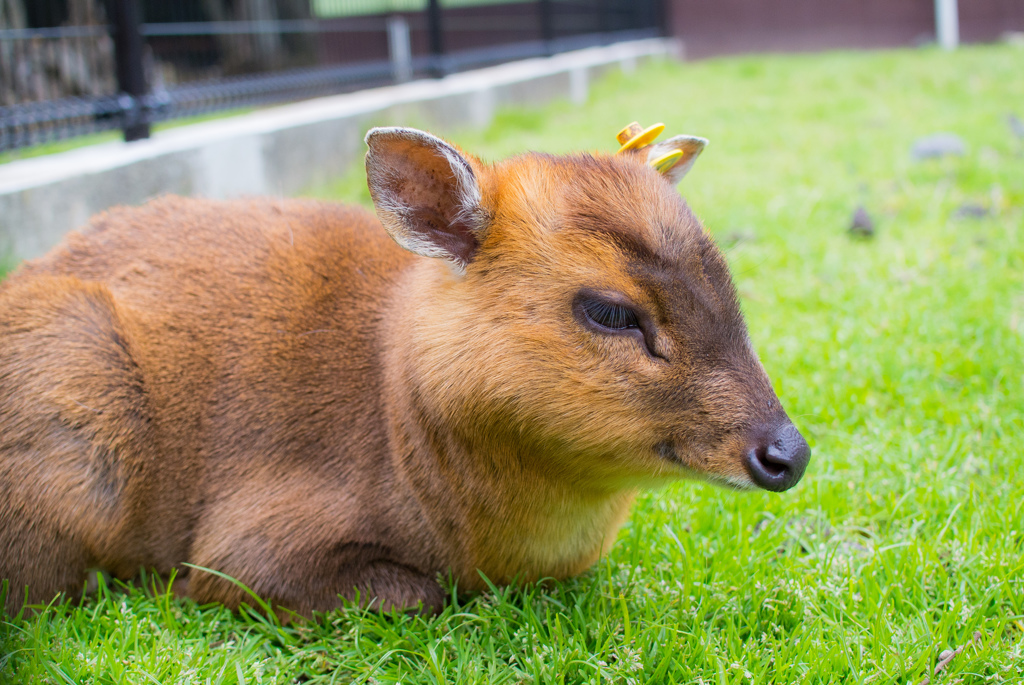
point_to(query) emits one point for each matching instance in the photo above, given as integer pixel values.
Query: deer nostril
(771, 463)
(767, 472)
(779, 460)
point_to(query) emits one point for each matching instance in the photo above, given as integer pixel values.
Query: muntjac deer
(274, 389)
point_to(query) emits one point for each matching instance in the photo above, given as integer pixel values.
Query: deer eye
(609, 315)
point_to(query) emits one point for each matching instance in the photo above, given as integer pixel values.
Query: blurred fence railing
(69, 67)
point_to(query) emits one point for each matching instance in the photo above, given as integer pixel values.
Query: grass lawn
(901, 357)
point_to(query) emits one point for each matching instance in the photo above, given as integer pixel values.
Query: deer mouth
(666, 450)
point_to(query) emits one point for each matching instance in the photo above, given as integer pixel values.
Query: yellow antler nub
(662, 158)
(666, 161)
(625, 134)
(634, 136)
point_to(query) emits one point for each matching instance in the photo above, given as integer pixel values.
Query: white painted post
(399, 48)
(579, 79)
(947, 24)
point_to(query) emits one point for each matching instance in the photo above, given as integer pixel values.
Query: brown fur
(275, 390)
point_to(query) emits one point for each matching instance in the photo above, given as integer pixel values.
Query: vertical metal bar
(947, 24)
(603, 18)
(659, 17)
(131, 77)
(547, 24)
(436, 30)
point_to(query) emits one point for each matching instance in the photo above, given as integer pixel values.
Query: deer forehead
(580, 209)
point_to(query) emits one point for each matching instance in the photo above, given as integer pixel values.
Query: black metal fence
(69, 67)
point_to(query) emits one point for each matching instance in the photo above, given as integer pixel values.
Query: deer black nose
(777, 461)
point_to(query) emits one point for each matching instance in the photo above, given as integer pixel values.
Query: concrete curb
(278, 151)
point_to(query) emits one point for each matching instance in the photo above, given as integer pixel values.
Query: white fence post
(947, 24)
(399, 48)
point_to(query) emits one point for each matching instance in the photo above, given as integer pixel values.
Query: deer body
(278, 391)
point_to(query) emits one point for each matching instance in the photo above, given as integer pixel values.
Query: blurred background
(69, 67)
(72, 66)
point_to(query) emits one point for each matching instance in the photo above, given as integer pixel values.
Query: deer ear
(426, 194)
(675, 157)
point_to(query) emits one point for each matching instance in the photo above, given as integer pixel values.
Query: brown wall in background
(986, 20)
(737, 26)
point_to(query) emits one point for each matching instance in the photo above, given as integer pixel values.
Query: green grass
(900, 357)
(7, 262)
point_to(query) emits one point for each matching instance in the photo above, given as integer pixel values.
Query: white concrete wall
(278, 151)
